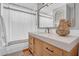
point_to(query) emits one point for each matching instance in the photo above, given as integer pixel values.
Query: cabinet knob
(49, 49)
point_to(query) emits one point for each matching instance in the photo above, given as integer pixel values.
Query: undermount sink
(64, 42)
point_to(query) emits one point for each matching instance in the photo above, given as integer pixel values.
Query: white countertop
(65, 43)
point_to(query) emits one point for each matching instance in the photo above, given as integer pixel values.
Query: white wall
(0, 23)
(77, 17)
(0, 8)
(45, 22)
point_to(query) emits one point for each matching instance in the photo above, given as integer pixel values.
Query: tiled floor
(20, 53)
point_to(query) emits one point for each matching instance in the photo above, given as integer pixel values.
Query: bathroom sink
(54, 36)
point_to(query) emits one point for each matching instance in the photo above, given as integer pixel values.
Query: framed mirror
(49, 14)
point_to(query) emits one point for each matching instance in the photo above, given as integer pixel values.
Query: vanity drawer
(51, 50)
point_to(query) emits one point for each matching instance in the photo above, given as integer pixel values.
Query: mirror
(49, 14)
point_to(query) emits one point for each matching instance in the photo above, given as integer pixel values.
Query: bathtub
(13, 46)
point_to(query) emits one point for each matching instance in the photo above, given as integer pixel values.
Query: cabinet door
(73, 52)
(38, 47)
(31, 44)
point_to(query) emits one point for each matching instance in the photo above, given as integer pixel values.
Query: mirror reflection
(51, 13)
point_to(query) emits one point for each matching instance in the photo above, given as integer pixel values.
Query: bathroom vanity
(44, 44)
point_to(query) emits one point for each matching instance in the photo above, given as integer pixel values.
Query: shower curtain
(2, 30)
(2, 36)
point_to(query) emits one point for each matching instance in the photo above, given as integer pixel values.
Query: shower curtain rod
(24, 11)
(19, 10)
(21, 6)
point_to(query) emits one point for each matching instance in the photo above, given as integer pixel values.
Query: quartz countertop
(65, 43)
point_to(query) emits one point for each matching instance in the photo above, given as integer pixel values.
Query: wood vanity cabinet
(35, 46)
(31, 44)
(40, 48)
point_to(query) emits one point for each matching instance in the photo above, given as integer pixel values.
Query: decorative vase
(63, 28)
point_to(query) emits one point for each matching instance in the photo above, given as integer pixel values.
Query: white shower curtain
(2, 36)
(2, 32)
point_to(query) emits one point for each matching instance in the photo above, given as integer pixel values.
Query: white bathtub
(6, 49)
